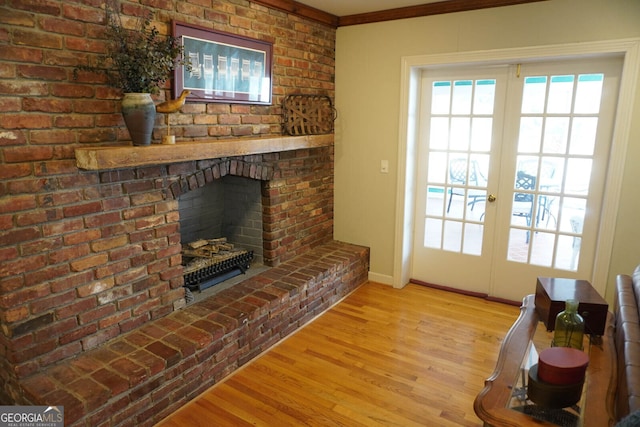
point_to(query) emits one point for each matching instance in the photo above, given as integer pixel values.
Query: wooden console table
(494, 404)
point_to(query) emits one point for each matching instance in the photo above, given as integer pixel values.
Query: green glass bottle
(569, 330)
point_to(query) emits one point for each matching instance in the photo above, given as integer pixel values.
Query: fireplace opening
(221, 234)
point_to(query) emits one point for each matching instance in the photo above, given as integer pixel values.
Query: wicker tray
(307, 115)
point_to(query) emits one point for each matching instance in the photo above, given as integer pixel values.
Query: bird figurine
(171, 106)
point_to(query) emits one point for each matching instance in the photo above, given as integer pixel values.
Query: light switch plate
(384, 166)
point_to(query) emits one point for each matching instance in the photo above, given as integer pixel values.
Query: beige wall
(368, 78)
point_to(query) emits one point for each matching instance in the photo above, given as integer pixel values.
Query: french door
(511, 168)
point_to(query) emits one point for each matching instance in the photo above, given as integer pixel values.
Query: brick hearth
(143, 376)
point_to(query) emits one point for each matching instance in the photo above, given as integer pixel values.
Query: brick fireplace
(92, 309)
(118, 247)
(106, 332)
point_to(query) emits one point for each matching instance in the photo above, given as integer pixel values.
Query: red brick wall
(86, 256)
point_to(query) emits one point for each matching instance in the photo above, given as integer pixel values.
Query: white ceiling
(354, 7)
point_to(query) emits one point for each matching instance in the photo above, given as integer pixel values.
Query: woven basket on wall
(307, 115)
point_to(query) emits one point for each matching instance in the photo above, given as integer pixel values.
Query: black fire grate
(202, 273)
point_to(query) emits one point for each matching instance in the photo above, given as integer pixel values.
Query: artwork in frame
(224, 67)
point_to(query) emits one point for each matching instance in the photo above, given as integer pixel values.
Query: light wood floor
(381, 357)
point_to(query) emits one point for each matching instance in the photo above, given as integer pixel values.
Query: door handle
(491, 198)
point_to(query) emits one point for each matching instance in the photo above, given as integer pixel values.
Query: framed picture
(225, 67)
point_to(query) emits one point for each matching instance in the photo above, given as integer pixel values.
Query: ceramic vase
(139, 114)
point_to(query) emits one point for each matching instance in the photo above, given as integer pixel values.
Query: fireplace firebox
(221, 231)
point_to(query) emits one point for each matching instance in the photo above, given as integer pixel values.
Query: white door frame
(412, 66)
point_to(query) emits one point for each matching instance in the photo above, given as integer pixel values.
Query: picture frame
(225, 67)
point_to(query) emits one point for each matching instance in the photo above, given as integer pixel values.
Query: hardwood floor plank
(317, 393)
(354, 388)
(320, 408)
(381, 357)
(286, 401)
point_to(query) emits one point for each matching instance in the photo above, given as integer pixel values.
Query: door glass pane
(528, 165)
(475, 197)
(481, 128)
(567, 252)
(583, 136)
(578, 176)
(456, 210)
(435, 195)
(437, 172)
(542, 245)
(433, 233)
(556, 133)
(534, 95)
(560, 95)
(518, 245)
(589, 93)
(460, 132)
(440, 97)
(551, 173)
(458, 169)
(480, 164)
(572, 215)
(523, 207)
(530, 135)
(439, 133)
(452, 236)
(484, 98)
(473, 239)
(462, 93)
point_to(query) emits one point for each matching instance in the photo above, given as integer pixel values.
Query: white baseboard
(381, 278)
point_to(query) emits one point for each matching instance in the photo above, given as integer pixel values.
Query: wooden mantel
(118, 157)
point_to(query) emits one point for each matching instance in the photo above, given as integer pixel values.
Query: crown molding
(301, 10)
(450, 6)
(442, 7)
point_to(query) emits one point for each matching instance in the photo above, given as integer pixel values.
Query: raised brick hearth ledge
(142, 376)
